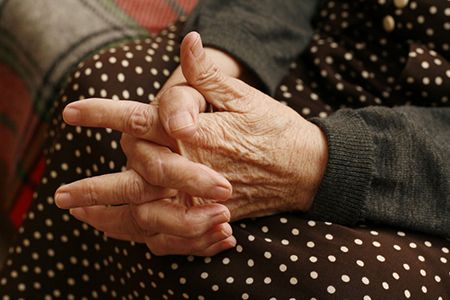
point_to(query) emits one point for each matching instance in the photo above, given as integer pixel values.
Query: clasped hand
(189, 173)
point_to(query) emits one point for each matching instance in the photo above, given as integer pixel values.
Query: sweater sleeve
(387, 165)
(266, 36)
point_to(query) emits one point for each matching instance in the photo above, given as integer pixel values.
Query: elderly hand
(273, 158)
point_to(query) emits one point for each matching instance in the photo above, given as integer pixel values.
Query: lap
(277, 257)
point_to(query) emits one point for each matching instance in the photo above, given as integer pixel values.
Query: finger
(215, 240)
(126, 237)
(115, 219)
(161, 167)
(110, 189)
(161, 216)
(179, 249)
(224, 92)
(179, 109)
(137, 119)
(166, 216)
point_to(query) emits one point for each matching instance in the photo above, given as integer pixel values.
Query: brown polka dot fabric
(278, 257)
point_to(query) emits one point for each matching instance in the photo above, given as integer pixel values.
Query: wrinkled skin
(188, 177)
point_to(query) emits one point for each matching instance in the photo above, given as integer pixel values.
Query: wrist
(227, 64)
(312, 150)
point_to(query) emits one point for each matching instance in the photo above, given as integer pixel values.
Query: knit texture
(387, 165)
(275, 41)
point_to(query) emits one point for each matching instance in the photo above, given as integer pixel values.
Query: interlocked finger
(110, 189)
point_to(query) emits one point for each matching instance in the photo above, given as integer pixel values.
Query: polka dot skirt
(277, 257)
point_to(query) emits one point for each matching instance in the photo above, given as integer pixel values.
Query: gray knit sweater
(386, 165)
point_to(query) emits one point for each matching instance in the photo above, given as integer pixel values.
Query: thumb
(222, 91)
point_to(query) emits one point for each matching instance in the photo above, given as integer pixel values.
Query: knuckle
(155, 170)
(208, 75)
(156, 249)
(139, 121)
(91, 194)
(132, 190)
(197, 246)
(130, 227)
(143, 218)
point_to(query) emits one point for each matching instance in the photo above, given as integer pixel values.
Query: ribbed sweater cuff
(346, 183)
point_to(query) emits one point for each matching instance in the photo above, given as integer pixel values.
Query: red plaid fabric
(22, 128)
(157, 14)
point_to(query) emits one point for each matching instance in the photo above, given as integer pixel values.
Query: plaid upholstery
(40, 43)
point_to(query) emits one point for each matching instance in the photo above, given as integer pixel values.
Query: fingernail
(78, 213)
(220, 193)
(180, 121)
(197, 48)
(220, 219)
(62, 200)
(71, 115)
(220, 235)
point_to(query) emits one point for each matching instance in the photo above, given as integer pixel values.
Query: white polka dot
(407, 294)
(420, 19)
(358, 242)
(385, 285)
(329, 237)
(381, 258)
(425, 65)
(306, 111)
(293, 280)
(345, 278)
(250, 263)
(331, 289)
(365, 280)
(396, 276)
